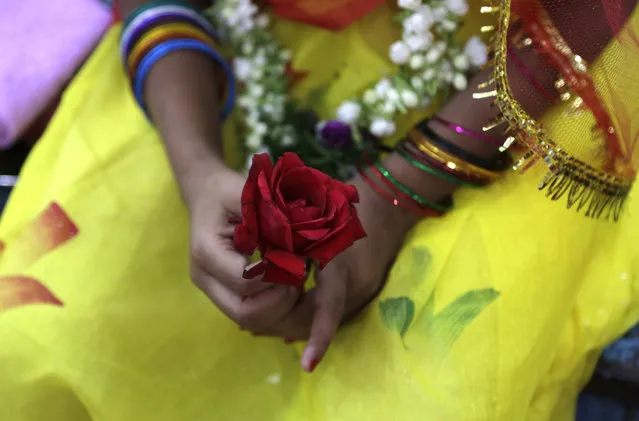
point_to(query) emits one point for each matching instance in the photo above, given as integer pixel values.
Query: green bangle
(417, 198)
(433, 171)
(138, 11)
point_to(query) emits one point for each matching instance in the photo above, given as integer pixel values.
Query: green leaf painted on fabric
(410, 270)
(447, 325)
(397, 314)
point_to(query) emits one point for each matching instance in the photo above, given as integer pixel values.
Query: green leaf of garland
(397, 314)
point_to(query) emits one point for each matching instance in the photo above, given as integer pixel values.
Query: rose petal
(349, 191)
(264, 187)
(337, 241)
(276, 275)
(301, 214)
(284, 268)
(303, 183)
(286, 163)
(274, 227)
(314, 235)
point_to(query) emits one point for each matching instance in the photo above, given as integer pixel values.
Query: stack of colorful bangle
(159, 28)
(431, 153)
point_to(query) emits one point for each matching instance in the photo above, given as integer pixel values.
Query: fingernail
(254, 270)
(313, 366)
(289, 341)
(235, 221)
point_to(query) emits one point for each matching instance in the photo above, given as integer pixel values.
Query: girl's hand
(351, 280)
(220, 271)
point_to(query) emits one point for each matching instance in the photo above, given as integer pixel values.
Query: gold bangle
(450, 161)
(161, 32)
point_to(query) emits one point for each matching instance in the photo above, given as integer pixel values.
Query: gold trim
(599, 193)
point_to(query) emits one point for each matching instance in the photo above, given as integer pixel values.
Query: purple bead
(334, 134)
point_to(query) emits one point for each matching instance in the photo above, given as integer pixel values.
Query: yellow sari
(496, 312)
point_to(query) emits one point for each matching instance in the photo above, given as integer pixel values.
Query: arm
(182, 96)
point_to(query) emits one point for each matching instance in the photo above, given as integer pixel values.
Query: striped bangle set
(157, 29)
(434, 155)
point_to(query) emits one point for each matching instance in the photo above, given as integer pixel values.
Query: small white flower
(417, 83)
(349, 112)
(392, 95)
(242, 68)
(461, 62)
(449, 25)
(440, 46)
(459, 81)
(381, 127)
(389, 108)
(417, 61)
(252, 118)
(261, 129)
(246, 101)
(418, 23)
(409, 4)
(256, 90)
(410, 99)
(439, 14)
(382, 87)
(259, 60)
(419, 42)
(458, 7)
(427, 13)
(399, 52)
(262, 21)
(370, 97)
(428, 74)
(247, 48)
(433, 55)
(254, 141)
(287, 140)
(446, 71)
(476, 51)
(285, 55)
(257, 73)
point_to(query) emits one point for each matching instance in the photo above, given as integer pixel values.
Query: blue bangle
(170, 46)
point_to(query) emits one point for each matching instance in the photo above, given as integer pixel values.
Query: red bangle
(410, 206)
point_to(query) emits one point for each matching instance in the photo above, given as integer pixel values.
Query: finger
(254, 312)
(219, 260)
(330, 306)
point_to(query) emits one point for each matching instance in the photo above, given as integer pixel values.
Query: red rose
(292, 213)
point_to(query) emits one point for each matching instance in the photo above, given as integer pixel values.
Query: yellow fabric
(511, 296)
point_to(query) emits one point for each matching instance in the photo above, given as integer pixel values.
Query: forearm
(182, 97)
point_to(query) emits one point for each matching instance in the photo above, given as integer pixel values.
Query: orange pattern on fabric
(45, 233)
(16, 291)
(329, 14)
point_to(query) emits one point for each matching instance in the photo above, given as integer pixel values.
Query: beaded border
(596, 192)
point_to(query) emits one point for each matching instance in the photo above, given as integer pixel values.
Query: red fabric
(329, 14)
(292, 213)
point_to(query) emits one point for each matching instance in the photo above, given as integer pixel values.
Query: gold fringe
(587, 189)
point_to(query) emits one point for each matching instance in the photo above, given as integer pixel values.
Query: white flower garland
(429, 58)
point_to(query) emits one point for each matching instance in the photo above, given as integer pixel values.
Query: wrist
(193, 178)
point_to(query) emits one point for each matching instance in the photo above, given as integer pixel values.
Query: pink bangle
(462, 130)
